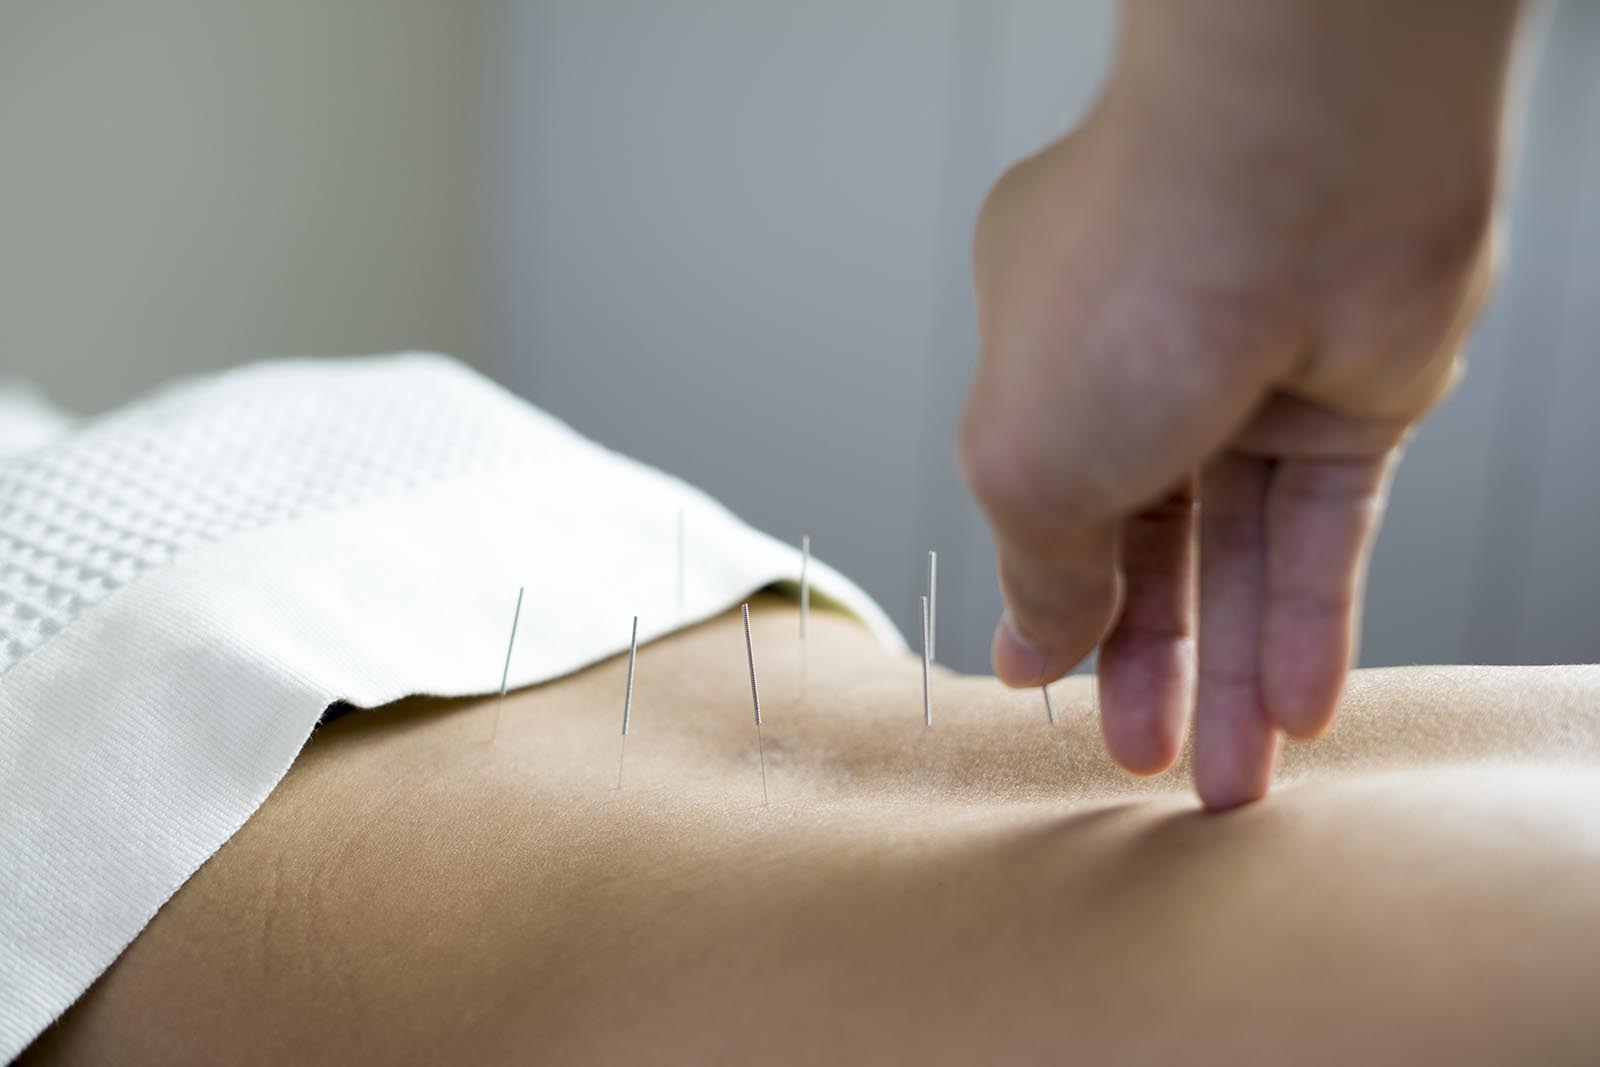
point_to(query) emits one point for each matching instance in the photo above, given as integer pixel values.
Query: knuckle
(1228, 677)
(1303, 602)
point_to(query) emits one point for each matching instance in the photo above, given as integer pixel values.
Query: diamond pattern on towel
(197, 463)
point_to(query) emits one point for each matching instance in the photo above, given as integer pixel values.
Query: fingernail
(1016, 661)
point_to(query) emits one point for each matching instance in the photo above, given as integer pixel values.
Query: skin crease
(1419, 890)
(1209, 318)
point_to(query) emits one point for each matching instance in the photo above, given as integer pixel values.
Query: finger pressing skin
(1234, 741)
(1059, 603)
(1322, 517)
(1147, 669)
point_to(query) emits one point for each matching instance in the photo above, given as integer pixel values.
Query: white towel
(27, 419)
(186, 584)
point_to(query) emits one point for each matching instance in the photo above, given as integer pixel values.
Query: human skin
(1238, 285)
(995, 891)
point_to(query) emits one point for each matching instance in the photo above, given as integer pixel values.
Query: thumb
(1061, 444)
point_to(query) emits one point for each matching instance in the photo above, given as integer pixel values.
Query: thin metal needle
(927, 705)
(680, 561)
(627, 700)
(755, 698)
(933, 604)
(505, 672)
(927, 701)
(1055, 738)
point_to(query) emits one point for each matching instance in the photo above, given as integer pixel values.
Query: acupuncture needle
(927, 701)
(505, 672)
(1055, 738)
(755, 698)
(627, 699)
(933, 604)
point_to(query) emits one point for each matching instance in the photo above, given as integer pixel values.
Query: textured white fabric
(187, 584)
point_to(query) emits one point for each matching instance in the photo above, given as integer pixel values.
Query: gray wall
(1534, 573)
(730, 238)
(187, 184)
(735, 243)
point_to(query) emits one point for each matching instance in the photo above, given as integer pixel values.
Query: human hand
(1235, 293)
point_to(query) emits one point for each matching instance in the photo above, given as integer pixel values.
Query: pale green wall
(187, 184)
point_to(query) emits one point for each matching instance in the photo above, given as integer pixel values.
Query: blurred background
(730, 239)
